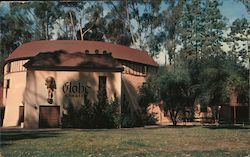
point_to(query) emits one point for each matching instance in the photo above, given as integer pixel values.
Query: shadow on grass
(7, 137)
(168, 126)
(192, 126)
(233, 127)
(88, 130)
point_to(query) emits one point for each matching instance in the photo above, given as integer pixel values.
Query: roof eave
(69, 68)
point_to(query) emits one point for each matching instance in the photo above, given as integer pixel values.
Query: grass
(168, 141)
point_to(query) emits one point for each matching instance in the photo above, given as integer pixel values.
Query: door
(49, 116)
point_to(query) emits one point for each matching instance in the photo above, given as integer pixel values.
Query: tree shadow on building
(87, 109)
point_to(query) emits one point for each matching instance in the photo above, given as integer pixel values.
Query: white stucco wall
(13, 96)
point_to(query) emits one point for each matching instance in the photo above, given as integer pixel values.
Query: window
(145, 70)
(141, 69)
(132, 68)
(8, 68)
(102, 85)
(7, 84)
(137, 69)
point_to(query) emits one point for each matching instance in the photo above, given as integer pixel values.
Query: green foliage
(46, 14)
(176, 91)
(149, 92)
(237, 40)
(136, 24)
(15, 29)
(220, 76)
(200, 29)
(172, 85)
(94, 29)
(207, 81)
(140, 118)
(129, 118)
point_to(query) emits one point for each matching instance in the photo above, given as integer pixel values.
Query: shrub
(102, 114)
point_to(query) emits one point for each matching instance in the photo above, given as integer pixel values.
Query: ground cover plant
(168, 141)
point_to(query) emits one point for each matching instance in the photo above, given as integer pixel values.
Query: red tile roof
(31, 49)
(62, 60)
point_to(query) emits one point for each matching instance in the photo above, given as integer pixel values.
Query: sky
(233, 9)
(3, 8)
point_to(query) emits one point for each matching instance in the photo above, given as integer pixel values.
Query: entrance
(49, 116)
(241, 114)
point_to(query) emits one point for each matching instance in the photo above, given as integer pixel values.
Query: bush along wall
(131, 118)
(102, 114)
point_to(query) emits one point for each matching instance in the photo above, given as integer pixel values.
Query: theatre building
(41, 77)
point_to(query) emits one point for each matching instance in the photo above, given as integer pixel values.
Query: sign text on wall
(75, 89)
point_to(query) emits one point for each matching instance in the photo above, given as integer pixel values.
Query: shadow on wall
(74, 90)
(91, 82)
(133, 113)
(2, 108)
(87, 82)
(2, 111)
(7, 137)
(1, 95)
(32, 98)
(76, 112)
(131, 87)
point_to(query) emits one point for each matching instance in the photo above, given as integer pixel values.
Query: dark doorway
(241, 114)
(2, 109)
(49, 116)
(102, 85)
(227, 114)
(21, 115)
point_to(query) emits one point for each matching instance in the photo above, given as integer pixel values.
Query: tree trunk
(73, 26)
(47, 26)
(173, 115)
(128, 19)
(81, 34)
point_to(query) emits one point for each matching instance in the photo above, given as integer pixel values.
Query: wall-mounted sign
(75, 89)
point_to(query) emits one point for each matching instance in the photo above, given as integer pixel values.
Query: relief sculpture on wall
(51, 86)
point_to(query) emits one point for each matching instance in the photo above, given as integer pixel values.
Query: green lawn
(168, 141)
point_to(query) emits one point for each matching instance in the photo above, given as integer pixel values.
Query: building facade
(41, 77)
